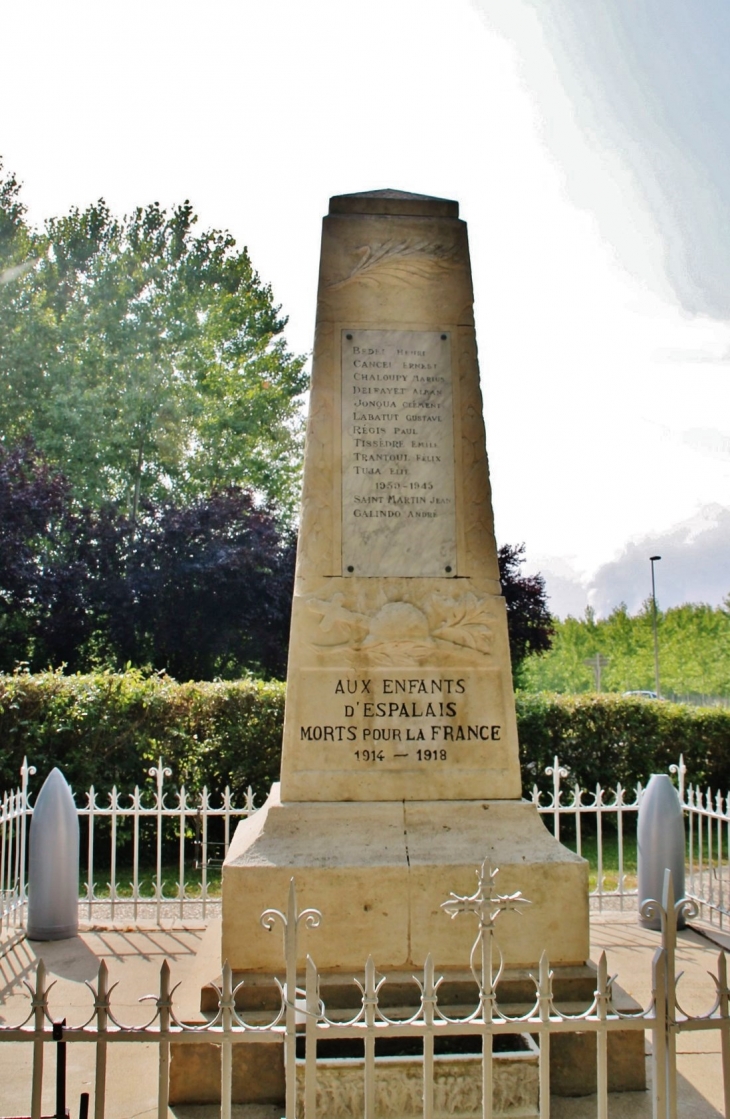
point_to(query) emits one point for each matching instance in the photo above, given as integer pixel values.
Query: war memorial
(400, 765)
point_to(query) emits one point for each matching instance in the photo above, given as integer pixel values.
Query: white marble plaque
(398, 494)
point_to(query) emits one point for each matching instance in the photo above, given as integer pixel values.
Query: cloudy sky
(589, 148)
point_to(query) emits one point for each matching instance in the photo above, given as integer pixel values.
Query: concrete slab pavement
(134, 956)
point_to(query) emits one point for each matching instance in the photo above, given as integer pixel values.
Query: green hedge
(610, 739)
(109, 729)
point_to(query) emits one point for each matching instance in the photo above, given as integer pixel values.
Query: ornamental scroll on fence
(196, 848)
(307, 1091)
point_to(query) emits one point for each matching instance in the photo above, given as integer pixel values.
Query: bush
(610, 739)
(110, 728)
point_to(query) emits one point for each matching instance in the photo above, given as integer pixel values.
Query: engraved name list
(398, 499)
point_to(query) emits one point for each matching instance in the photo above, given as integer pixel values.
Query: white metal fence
(612, 814)
(148, 827)
(14, 816)
(307, 1091)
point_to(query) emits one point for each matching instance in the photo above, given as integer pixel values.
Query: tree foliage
(34, 522)
(694, 652)
(144, 357)
(198, 591)
(529, 624)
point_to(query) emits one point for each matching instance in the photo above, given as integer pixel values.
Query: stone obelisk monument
(400, 769)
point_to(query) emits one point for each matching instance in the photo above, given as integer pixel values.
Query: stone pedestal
(378, 872)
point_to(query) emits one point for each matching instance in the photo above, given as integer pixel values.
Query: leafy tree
(201, 591)
(694, 652)
(144, 357)
(36, 581)
(529, 623)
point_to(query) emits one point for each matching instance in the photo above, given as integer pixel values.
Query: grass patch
(193, 876)
(610, 862)
(148, 882)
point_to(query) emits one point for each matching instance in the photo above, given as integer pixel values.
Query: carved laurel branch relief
(401, 261)
(399, 632)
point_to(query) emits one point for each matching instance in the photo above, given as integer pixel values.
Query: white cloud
(694, 566)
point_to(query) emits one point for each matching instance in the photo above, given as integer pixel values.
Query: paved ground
(134, 956)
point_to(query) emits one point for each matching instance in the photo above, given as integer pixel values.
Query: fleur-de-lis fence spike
(556, 771)
(159, 772)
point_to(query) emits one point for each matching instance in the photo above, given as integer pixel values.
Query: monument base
(379, 871)
(258, 1070)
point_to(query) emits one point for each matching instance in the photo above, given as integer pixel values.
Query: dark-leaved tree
(200, 591)
(38, 581)
(529, 622)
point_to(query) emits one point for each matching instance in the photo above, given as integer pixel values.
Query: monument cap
(395, 202)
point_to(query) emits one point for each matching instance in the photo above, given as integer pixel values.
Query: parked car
(644, 694)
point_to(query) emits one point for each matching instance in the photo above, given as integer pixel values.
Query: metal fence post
(659, 1035)
(39, 1004)
(26, 771)
(724, 1008)
(164, 1005)
(671, 912)
(159, 772)
(60, 1069)
(310, 1054)
(4, 910)
(101, 1006)
(602, 997)
(227, 1004)
(428, 1007)
(312, 919)
(545, 996)
(369, 1003)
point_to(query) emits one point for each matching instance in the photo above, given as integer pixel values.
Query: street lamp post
(652, 561)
